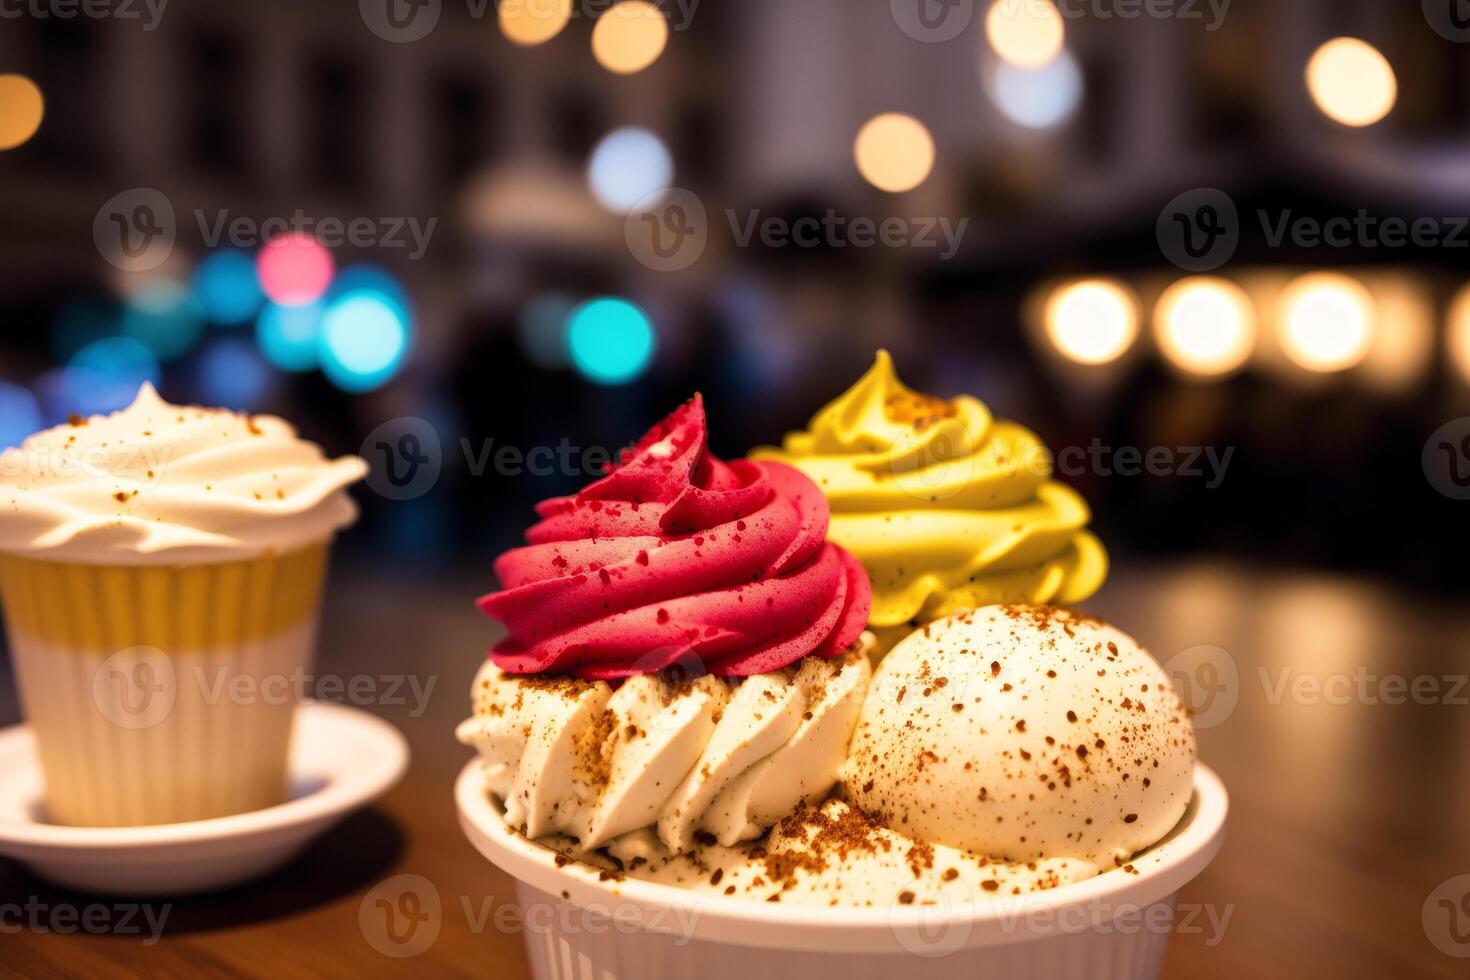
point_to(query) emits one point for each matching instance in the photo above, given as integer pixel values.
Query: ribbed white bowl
(580, 927)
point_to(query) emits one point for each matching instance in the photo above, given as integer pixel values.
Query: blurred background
(1236, 226)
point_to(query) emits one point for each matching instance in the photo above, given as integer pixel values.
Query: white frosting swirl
(650, 765)
(161, 484)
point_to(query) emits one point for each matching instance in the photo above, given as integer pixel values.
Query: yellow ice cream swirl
(946, 507)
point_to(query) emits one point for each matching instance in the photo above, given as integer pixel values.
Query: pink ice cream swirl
(678, 557)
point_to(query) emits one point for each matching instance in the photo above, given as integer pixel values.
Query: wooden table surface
(1347, 809)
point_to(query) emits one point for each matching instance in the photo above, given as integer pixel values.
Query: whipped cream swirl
(654, 764)
(162, 484)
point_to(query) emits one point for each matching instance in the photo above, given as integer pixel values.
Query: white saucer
(341, 759)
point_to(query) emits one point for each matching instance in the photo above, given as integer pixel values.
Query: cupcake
(161, 570)
(947, 507)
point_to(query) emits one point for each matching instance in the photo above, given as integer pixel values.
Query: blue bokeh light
(20, 414)
(102, 377)
(627, 166)
(165, 318)
(370, 279)
(542, 327)
(233, 375)
(610, 340)
(1038, 98)
(290, 336)
(364, 341)
(227, 287)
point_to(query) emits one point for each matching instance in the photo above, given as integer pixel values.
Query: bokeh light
(1457, 336)
(1352, 82)
(542, 327)
(1205, 325)
(630, 36)
(1092, 321)
(294, 269)
(227, 288)
(233, 375)
(20, 414)
(531, 22)
(164, 317)
(627, 166)
(1037, 98)
(1326, 321)
(610, 340)
(103, 376)
(370, 279)
(364, 340)
(289, 337)
(894, 152)
(22, 108)
(1025, 33)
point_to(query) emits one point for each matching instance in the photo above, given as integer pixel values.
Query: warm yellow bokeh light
(630, 36)
(530, 22)
(1092, 321)
(1457, 338)
(1205, 325)
(1326, 321)
(21, 109)
(1351, 82)
(1025, 33)
(894, 152)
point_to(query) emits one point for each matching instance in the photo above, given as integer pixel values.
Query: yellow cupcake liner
(162, 694)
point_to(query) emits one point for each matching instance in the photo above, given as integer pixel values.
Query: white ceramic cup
(581, 924)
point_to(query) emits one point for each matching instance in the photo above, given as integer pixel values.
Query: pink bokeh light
(294, 269)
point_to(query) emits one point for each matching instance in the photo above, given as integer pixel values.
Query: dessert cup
(162, 694)
(583, 923)
(161, 570)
